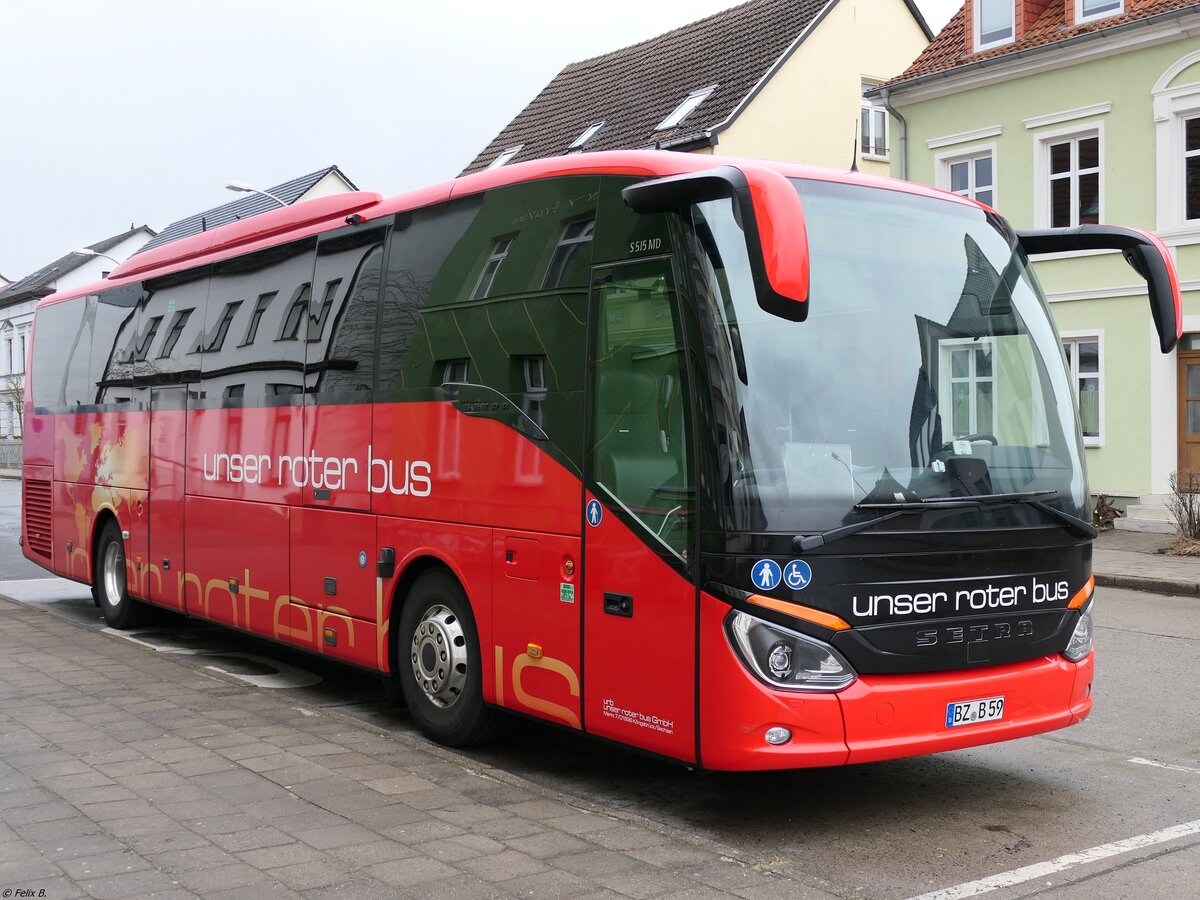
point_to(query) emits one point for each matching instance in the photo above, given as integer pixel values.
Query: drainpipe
(885, 95)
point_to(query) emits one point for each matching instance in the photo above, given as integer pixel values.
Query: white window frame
(505, 156)
(1078, 337)
(946, 380)
(491, 267)
(943, 162)
(1081, 16)
(874, 106)
(586, 135)
(977, 16)
(687, 106)
(1172, 107)
(1041, 167)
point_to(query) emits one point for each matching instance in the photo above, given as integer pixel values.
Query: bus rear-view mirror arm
(1148, 256)
(771, 216)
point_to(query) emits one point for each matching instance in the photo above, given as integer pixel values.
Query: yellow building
(780, 79)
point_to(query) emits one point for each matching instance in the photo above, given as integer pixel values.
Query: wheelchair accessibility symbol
(797, 575)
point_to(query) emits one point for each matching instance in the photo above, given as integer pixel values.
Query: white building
(18, 300)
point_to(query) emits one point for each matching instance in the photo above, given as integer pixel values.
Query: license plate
(972, 712)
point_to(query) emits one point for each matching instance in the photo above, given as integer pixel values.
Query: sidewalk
(1130, 559)
(124, 773)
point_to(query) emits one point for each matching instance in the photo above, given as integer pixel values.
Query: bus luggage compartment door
(535, 624)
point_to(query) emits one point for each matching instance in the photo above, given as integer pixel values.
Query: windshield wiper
(1074, 524)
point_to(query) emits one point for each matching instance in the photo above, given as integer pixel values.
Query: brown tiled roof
(949, 49)
(634, 89)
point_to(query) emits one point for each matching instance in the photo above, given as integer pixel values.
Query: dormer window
(1087, 10)
(686, 108)
(995, 23)
(505, 156)
(588, 133)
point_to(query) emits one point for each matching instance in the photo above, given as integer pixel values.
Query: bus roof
(312, 217)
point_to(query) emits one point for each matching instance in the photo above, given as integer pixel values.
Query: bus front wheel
(439, 665)
(109, 581)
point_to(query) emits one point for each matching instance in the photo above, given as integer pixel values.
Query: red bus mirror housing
(1148, 256)
(772, 219)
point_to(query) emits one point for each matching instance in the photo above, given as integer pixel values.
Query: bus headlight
(1080, 644)
(786, 659)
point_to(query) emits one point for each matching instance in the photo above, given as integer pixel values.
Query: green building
(1068, 112)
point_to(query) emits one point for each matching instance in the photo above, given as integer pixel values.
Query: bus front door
(639, 591)
(165, 573)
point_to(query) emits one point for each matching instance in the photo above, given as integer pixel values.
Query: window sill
(876, 157)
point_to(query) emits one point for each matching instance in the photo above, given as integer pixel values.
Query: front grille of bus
(37, 517)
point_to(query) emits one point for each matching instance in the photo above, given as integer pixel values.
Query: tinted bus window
(62, 354)
(342, 325)
(252, 346)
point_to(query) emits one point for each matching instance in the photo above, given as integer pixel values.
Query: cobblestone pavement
(126, 774)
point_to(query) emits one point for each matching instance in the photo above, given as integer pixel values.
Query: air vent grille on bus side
(37, 516)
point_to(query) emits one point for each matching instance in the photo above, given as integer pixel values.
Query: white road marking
(1150, 762)
(1070, 860)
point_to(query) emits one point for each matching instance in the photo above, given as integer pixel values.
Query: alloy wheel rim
(439, 656)
(114, 574)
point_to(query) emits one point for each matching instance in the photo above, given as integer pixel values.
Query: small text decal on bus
(385, 476)
(646, 245)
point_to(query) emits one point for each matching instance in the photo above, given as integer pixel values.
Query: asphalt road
(1109, 808)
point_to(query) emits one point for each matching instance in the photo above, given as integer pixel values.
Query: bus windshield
(928, 368)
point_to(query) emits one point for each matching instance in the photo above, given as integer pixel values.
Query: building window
(1191, 168)
(575, 236)
(973, 177)
(1074, 181)
(994, 23)
(505, 156)
(260, 307)
(874, 127)
(967, 389)
(215, 340)
(177, 325)
(488, 276)
(295, 314)
(455, 371)
(686, 108)
(1086, 10)
(1087, 381)
(588, 133)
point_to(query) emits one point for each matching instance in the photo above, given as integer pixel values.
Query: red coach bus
(744, 464)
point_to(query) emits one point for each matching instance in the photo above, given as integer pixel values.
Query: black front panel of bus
(917, 603)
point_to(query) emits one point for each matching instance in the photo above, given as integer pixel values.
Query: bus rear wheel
(109, 581)
(439, 666)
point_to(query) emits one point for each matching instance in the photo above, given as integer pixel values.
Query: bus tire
(439, 665)
(109, 581)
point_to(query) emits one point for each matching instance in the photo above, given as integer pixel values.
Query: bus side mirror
(772, 219)
(1143, 251)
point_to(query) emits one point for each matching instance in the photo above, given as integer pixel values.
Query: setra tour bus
(744, 464)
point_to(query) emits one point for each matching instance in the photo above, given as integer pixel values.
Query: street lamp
(87, 251)
(244, 188)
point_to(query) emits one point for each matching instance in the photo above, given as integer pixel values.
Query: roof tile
(948, 50)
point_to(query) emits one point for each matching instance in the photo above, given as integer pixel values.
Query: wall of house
(16, 321)
(808, 112)
(1141, 168)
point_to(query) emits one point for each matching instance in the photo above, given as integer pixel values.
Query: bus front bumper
(879, 717)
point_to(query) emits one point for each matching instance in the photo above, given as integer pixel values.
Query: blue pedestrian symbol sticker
(765, 574)
(595, 512)
(797, 575)
(362, 559)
